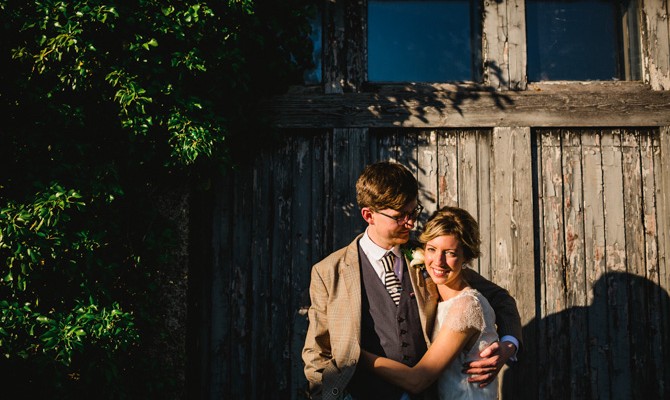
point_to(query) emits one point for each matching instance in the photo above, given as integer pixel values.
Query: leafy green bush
(106, 106)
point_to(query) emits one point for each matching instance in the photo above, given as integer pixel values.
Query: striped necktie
(391, 280)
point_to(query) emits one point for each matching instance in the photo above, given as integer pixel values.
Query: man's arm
(508, 319)
(316, 354)
(508, 322)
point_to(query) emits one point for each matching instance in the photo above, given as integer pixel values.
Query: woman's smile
(440, 272)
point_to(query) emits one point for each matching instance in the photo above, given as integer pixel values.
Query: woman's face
(444, 259)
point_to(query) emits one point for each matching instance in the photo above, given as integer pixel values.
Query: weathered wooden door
(570, 182)
(574, 225)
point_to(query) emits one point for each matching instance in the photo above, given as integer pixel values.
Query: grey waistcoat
(386, 330)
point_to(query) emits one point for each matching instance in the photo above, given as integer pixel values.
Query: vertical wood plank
(279, 270)
(615, 256)
(333, 46)
(319, 183)
(220, 310)
(525, 379)
(357, 44)
(447, 168)
(555, 322)
(261, 224)
(387, 148)
(656, 46)
(407, 154)
(642, 374)
(575, 275)
(427, 172)
(662, 181)
(344, 47)
(322, 183)
(407, 149)
(202, 232)
(484, 202)
(303, 230)
(516, 44)
(468, 170)
(375, 149)
(648, 148)
(594, 245)
(349, 158)
(511, 185)
(239, 284)
(663, 198)
(504, 40)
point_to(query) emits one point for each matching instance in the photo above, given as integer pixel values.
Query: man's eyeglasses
(405, 217)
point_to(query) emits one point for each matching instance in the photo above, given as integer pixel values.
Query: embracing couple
(393, 321)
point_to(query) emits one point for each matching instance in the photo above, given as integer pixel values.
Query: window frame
(501, 64)
(505, 98)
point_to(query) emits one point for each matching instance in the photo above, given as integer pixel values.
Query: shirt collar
(373, 251)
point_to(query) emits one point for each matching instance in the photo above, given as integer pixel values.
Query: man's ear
(366, 213)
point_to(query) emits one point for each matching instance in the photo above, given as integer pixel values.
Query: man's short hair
(385, 185)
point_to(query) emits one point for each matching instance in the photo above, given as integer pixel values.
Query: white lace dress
(468, 309)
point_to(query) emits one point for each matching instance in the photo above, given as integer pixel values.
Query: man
(359, 302)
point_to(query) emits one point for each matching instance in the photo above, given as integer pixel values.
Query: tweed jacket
(332, 345)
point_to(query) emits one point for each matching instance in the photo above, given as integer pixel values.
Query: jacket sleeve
(508, 319)
(316, 354)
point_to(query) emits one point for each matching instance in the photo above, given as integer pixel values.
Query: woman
(465, 321)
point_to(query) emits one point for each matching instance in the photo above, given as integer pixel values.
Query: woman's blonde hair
(457, 222)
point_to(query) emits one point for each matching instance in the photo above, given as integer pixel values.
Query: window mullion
(504, 44)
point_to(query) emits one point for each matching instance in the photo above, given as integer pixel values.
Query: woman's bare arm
(443, 351)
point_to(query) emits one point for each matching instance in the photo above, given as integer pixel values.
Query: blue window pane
(420, 41)
(574, 40)
(313, 75)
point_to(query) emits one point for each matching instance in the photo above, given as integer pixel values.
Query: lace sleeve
(465, 312)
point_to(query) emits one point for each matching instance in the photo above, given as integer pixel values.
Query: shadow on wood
(624, 354)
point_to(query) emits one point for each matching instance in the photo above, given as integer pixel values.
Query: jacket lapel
(426, 295)
(350, 271)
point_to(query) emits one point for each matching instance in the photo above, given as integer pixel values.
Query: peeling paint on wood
(656, 44)
(504, 44)
(294, 206)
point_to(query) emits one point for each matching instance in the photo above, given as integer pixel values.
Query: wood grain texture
(511, 199)
(615, 256)
(427, 170)
(575, 276)
(594, 248)
(468, 106)
(569, 181)
(484, 201)
(504, 44)
(662, 180)
(592, 202)
(344, 45)
(554, 328)
(302, 228)
(655, 43)
(447, 168)
(349, 158)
